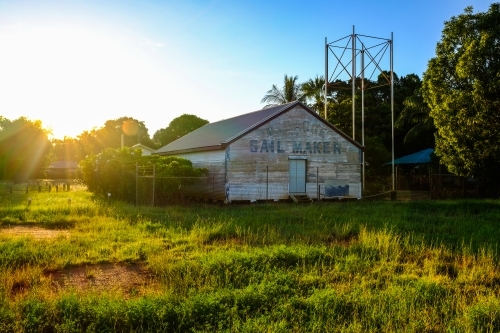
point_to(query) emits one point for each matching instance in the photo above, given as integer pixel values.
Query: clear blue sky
(76, 64)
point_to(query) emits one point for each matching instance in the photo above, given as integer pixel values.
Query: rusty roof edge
(283, 109)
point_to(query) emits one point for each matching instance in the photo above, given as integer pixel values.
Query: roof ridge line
(258, 123)
(244, 114)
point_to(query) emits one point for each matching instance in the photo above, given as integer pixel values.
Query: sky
(75, 64)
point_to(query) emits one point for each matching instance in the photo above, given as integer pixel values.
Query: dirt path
(128, 277)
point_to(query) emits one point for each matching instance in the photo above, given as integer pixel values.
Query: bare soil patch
(35, 232)
(131, 278)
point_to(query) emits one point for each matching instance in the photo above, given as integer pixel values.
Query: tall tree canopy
(23, 146)
(178, 127)
(415, 119)
(291, 91)
(461, 86)
(313, 90)
(109, 135)
(377, 101)
(67, 149)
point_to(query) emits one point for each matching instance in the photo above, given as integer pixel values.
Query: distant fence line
(150, 187)
(45, 185)
(440, 186)
(149, 190)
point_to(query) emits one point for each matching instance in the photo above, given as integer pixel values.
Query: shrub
(114, 171)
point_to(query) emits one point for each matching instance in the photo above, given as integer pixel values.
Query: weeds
(354, 267)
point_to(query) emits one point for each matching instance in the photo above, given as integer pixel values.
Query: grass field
(86, 265)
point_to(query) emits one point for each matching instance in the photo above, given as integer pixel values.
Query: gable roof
(218, 135)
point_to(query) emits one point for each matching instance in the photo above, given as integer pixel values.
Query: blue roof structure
(421, 157)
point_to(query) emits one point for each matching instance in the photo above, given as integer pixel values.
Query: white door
(297, 173)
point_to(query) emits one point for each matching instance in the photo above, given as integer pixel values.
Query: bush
(113, 171)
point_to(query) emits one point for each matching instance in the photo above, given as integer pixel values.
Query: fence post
(154, 175)
(393, 195)
(136, 183)
(213, 186)
(317, 183)
(397, 183)
(267, 182)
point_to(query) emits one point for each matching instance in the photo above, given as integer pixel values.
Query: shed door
(297, 172)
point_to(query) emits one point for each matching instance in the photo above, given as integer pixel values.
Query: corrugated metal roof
(214, 135)
(423, 156)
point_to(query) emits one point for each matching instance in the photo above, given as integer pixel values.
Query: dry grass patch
(35, 232)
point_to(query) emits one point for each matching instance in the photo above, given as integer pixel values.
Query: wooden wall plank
(295, 133)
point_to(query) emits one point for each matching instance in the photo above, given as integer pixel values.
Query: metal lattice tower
(346, 52)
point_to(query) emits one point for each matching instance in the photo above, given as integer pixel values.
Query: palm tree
(291, 91)
(416, 113)
(314, 92)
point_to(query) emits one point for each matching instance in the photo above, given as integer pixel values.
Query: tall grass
(427, 266)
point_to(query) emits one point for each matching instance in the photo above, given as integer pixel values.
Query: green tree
(24, 145)
(134, 132)
(291, 91)
(377, 108)
(109, 135)
(377, 102)
(461, 86)
(313, 90)
(177, 128)
(66, 149)
(416, 115)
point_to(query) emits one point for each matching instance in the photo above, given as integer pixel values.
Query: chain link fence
(156, 190)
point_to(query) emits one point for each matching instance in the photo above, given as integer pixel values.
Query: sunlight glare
(71, 78)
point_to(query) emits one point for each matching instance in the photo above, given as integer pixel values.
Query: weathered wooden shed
(63, 170)
(271, 154)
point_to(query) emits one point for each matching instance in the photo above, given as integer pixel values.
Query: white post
(392, 108)
(154, 177)
(353, 78)
(363, 111)
(326, 78)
